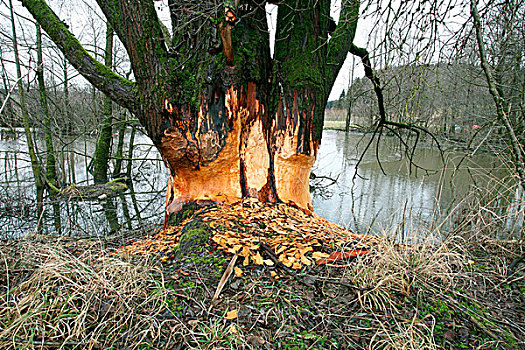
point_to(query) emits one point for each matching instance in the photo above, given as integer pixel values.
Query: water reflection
(369, 200)
(403, 199)
(142, 204)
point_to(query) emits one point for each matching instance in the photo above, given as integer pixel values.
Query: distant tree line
(441, 97)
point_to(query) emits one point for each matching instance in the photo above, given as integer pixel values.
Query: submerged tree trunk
(51, 170)
(35, 163)
(229, 120)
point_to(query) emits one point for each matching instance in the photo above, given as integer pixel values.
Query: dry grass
(422, 296)
(88, 301)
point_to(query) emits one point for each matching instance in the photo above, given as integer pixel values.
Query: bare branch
(383, 121)
(119, 89)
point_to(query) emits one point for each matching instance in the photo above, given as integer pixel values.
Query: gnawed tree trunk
(229, 120)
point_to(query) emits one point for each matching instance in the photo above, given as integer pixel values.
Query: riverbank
(82, 293)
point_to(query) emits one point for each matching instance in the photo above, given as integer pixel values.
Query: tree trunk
(35, 163)
(51, 169)
(350, 97)
(120, 145)
(103, 147)
(230, 121)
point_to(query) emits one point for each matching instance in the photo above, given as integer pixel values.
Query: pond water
(399, 197)
(368, 201)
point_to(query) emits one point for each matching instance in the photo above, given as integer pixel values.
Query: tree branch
(138, 27)
(341, 39)
(119, 89)
(383, 121)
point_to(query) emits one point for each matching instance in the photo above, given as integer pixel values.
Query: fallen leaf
(268, 262)
(245, 251)
(182, 272)
(231, 315)
(320, 255)
(305, 260)
(232, 330)
(306, 250)
(287, 263)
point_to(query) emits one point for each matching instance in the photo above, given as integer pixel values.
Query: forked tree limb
(341, 39)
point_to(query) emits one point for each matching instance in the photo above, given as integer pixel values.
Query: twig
(9, 95)
(272, 255)
(223, 280)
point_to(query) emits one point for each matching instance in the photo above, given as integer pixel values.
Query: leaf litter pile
(265, 234)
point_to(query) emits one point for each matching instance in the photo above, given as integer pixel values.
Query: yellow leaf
(273, 273)
(306, 250)
(231, 315)
(232, 330)
(246, 260)
(320, 255)
(287, 263)
(238, 272)
(296, 266)
(282, 249)
(245, 252)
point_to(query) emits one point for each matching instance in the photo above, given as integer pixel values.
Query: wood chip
(231, 315)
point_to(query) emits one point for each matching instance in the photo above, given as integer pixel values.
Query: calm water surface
(398, 199)
(367, 201)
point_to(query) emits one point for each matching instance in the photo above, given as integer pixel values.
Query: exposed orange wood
(205, 167)
(292, 170)
(216, 181)
(335, 256)
(292, 174)
(256, 159)
(226, 37)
